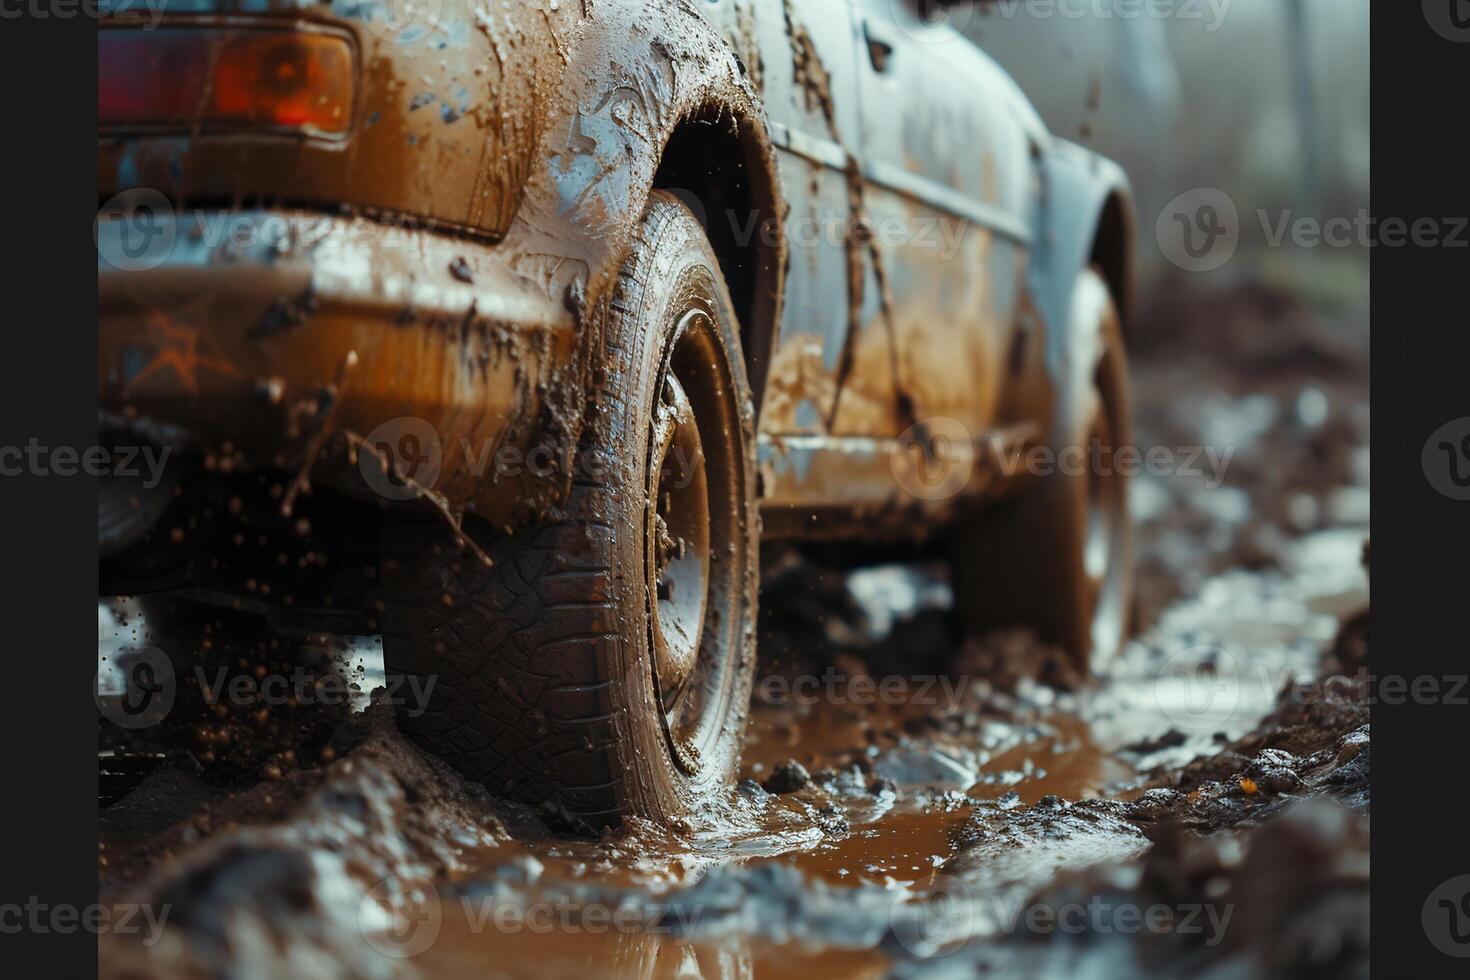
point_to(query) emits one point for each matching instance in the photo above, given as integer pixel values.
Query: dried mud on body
(907, 805)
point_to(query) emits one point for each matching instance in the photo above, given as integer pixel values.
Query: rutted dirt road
(907, 806)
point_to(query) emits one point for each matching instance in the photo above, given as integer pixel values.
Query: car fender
(635, 71)
(1082, 193)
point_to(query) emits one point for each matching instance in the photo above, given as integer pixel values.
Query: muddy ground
(908, 805)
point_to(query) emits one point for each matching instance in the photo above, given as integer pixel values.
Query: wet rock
(524, 870)
(779, 903)
(1274, 771)
(938, 766)
(1154, 805)
(459, 268)
(1005, 844)
(1352, 744)
(753, 790)
(788, 777)
(1288, 899)
(841, 782)
(1311, 744)
(1146, 746)
(833, 820)
(883, 786)
(271, 879)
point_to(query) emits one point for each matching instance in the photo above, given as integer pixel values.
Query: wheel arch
(1086, 219)
(720, 169)
(639, 81)
(1112, 250)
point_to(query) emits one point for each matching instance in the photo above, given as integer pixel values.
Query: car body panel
(807, 65)
(512, 148)
(443, 128)
(625, 77)
(327, 331)
(949, 183)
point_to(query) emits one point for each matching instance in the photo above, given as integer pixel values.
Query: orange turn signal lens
(229, 78)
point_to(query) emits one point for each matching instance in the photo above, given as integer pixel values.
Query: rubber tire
(1021, 563)
(542, 664)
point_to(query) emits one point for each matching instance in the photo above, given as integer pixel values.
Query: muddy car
(511, 332)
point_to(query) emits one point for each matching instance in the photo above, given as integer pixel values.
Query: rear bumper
(271, 338)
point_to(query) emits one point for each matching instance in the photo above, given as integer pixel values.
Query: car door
(802, 56)
(949, 193)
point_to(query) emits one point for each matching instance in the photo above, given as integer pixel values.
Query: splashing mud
(907, 805)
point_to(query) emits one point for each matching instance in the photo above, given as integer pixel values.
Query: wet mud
(908, 805)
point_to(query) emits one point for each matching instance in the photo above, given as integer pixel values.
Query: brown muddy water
(907, 805)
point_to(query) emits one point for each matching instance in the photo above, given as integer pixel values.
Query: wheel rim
(681, 539)
(692, 520)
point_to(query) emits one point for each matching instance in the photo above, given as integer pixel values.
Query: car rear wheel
(602, 666)
(1059, 556)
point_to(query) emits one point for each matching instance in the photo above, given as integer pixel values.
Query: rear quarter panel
(449, 111)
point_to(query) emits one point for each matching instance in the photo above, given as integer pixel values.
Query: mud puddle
(864, 835)
(906, 804)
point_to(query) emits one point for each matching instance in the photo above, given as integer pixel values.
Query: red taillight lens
(225, 77)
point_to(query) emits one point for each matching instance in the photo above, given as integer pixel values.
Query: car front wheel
(601, 667)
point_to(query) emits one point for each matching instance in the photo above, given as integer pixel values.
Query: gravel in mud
(907, 805)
